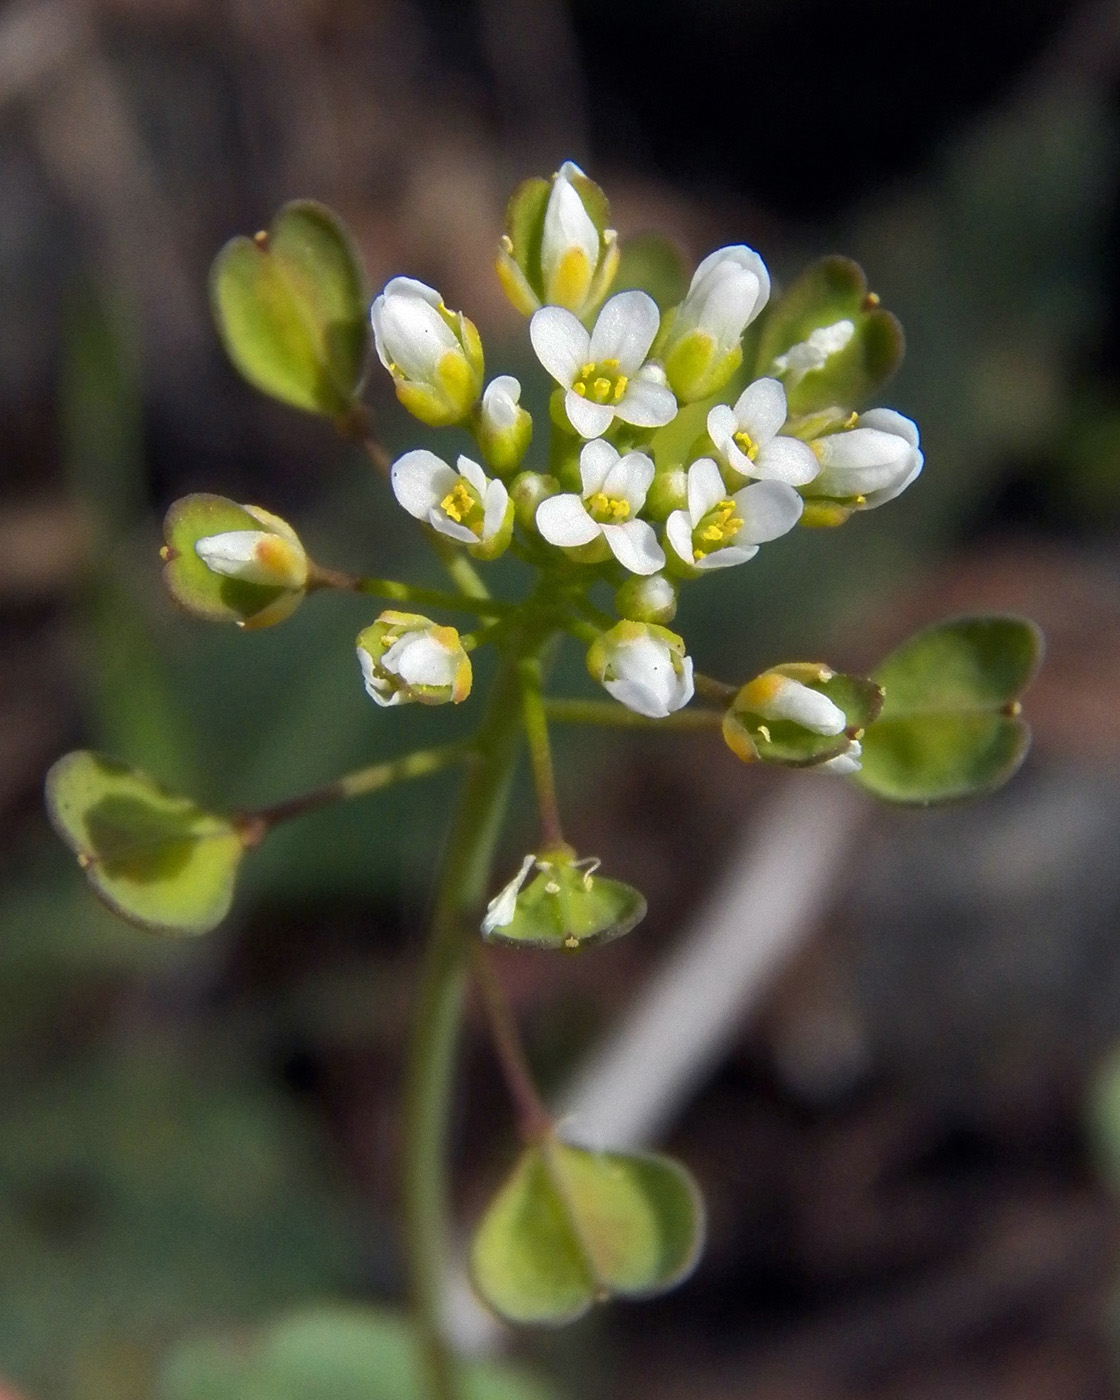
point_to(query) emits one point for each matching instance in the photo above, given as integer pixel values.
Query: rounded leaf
(213, 596)
(290, 306)
(950, 724)
(573, 1227)
(154, 857)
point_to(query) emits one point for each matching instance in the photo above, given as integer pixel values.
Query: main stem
(430, 1079)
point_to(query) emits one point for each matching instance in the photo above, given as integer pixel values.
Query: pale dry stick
(779, 884)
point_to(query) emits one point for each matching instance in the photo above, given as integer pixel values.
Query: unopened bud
(406, 657)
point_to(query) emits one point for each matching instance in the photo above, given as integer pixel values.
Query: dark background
(908, 1151)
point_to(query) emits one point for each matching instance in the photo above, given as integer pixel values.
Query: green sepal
(567, 905)
(572, 1227)
(155, 858)
(830, 290)
(950, 724)
(750, 736)
(291, 308)
(341, 1352)
(199, 589)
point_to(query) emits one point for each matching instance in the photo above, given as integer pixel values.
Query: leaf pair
(572, 1227)
(950, 724)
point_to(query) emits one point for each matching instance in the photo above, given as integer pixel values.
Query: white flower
(273, 556)
(503, 427)
(875, 461)
(719, 529)
(644, 667)
(434, 355)
(501, 909)
(846, 762)
(614, 491)
(727, 292)
(747, 437)
(813, 353)
(405, 656)
(465, 505)
(605, 373)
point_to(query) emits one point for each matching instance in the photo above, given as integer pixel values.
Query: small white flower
(614, 491)
(644, 667)
(847, 762)
(501, 909)
(273, 556)
(875, 461)
(605, 373)
(465, 505)
(718, 529)
(503, 427)
(405, 657)
(434, 355)
(747, 437)
(813, 353)
(727, 292)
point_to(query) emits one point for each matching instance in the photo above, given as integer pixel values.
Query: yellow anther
(457, 503)
(746, 444)
(587, 370)
(580, 388)
(722, 525)
(608, 508)
(601, 390)
(619, 388)
(611, 364)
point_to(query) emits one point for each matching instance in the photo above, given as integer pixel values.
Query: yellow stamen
(606, 508)
(457, 503)
(746, 444)
(723, 524)
(601, 390)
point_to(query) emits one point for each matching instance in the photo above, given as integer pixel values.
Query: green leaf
(290, 306)
(337, 1353)
(950, 724)
(572, 1227)
(200, 590)
(155, 858)
(833, 289)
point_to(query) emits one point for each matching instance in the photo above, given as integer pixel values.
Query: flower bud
(557, 249)
(503, 428)
(801, 715)
(407, 657)
(868, 464)
(703, 347)
(651, 599)
(434, 355)
(643, 666)
(527, 490)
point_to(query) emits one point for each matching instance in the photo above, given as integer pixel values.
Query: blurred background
(911, 1144)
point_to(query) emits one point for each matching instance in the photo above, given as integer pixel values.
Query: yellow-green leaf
(291, 308)
(572, 1227)
(155, 858)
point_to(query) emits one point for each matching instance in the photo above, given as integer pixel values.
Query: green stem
(534, 1121)
(603, 712)
(320, 577)
(255, 825)
(460, 891)
(540, 750)
(712, 689)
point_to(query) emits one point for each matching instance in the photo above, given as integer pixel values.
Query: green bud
(667, 493)
(649, 599)
(557, 249)
(231, 563)
(434, 355)
(527, 491)
(502, 427)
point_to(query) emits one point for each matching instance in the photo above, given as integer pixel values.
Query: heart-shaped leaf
(338, 1353)
(572, 1227)
(290, 306)
(950, 724)
(214, 596)
(827, 292)
(155, 858)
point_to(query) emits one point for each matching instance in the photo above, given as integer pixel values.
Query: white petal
(723, 304)
(625, 330)
(769, 509)
(678, 531)
(567, 224)
(630, 479)
(409, 331)
(804, 706)
(499, 402)
(722, 425)
(420, 660)
(590, 420)
(888, 421)
(234, 555)
(472, 473)
(442, 522)
(786, 459)
(862, 460)
(888, 493)
(501, 909)
(595, 461)
(561, 343)
(420, 480)
(494, 504)
(846, 762)
(376, 687)
(761, 409)
(740, 256)
(705, 488)
(635, 546)
(646, 404)
(728, 555)
(647, 681)
(563, 520)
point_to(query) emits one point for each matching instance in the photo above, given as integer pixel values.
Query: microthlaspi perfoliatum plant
(614, 511)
